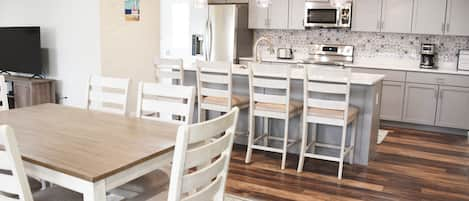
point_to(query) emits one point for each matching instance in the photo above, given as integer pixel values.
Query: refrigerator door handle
(207, 41)
(211, 40)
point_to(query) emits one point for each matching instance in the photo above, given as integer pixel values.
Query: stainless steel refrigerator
(226, 35)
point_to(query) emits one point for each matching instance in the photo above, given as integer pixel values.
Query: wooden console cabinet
(30, 91)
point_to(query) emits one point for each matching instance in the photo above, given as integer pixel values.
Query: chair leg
(304, 142)
(200, 117)
(352, 141)
(266, 131)
(342, 149)
(251, 135)
(285, 144)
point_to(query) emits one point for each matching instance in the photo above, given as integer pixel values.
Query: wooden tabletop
(85, 144)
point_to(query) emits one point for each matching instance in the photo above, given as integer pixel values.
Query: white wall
(70, 35)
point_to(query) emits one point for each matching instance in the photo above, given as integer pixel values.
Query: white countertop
(298, 74)
(382, 64)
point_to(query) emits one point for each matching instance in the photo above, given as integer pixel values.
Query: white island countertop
(380, 63)
(297, 73)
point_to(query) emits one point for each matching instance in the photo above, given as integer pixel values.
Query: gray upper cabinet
(452, 108)
(258, 17)
(429, 17)
(457, 15)
(397, 16)
(273, 17)
(392, 100)
(296, 14)
(366, 15)
(420, 102)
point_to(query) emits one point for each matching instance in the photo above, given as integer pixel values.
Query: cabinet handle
(436, 94)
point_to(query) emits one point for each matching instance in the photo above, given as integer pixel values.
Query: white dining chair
(168, 103)
(169, 71)
(321, 84)
(14, 185)
(269, 87)
(211, 159)
(215, 89)
(164, 103)
(3, 94)
(108, 94)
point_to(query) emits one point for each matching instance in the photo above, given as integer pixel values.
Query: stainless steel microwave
(323, 14)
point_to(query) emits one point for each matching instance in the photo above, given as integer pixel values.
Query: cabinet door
(392, 101)
(457, 16)
(22, 95)
(420, 103)
(297, 14)
(366, 15)
(258, 17)
(453, 110)
(278, 14)
(397, 16)
(429, 16)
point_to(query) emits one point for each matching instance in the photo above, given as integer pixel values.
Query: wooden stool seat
(295, 106)
(236, 101)
(334, 114)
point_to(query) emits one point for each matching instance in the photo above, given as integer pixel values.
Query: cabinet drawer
(391, 75)
(441, 79)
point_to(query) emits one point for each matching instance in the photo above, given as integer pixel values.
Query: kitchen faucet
(255, 49)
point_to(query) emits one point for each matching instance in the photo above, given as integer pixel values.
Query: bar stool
(169, 71)
(326, 100)
(266, 82)
(214, 89)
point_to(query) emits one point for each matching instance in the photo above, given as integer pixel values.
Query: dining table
(87, 151)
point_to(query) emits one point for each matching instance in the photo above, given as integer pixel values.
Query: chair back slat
(208, 193)
(269, 84)
(3, 94)
(267, 98)
(14, 180)
(203, 177)
(327, 88)
(108, 94)
(327, 104)
(168, 103)
(214, 79)
(206, 146)
(214, 92)
(4, 162)
(169, 71)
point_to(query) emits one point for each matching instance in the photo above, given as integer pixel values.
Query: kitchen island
(365, 94)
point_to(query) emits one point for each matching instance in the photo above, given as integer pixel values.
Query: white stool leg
(304, 142)
(314, 138)
(251, 135)
(352, 141)
(342, 148)
(285, 144)
(266, 131)
(201, 116)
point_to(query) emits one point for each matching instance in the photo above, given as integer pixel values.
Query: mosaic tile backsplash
(369, 45)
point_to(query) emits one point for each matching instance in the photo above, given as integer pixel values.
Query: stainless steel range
(330, 55)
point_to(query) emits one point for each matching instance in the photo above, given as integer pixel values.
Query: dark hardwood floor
(409, 165)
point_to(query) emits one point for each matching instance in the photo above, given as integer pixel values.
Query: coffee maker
(427, 60)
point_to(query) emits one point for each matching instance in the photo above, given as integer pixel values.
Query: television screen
(20, 49)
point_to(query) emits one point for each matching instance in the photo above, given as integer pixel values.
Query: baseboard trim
(450, 131)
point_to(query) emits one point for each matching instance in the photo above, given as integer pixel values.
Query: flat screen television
(20, 50)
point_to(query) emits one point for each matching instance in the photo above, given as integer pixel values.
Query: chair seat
(333, 114)
(295, 106)
(57, 193)
(235, 100)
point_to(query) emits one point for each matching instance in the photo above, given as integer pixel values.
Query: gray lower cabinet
(453, 107)
(420, 102)
(392, 100)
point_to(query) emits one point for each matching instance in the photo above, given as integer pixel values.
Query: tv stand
(27, 91)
